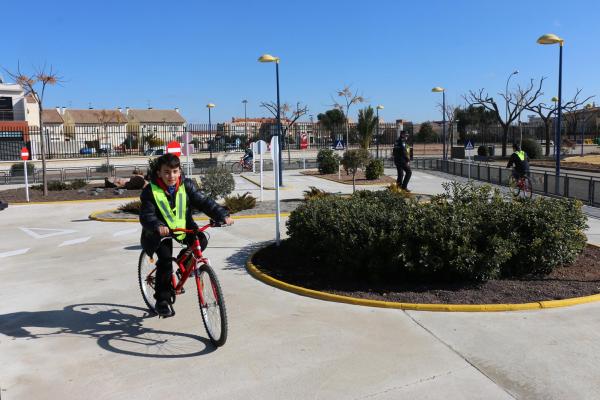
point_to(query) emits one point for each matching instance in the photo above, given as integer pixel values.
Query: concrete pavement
(73, 325)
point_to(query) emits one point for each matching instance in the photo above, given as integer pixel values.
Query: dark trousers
(403, 171)
(164, 266)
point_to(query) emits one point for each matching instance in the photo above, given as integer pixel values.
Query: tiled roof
(95, 116)
(155, 116)
(51, 117)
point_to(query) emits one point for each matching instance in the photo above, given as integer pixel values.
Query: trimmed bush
(133, 207)
(374, 169)
(469, 233)
(77, 184)
(53, 186)
(239, 202)
(17, 169)
(315, 193)
(327, 161)
(482, 151)
(532, 148)
(217, 182)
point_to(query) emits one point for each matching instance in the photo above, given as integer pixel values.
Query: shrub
(482, 151)
(17, 169)
(532, 148)
(315, 193)
(77, 184)
(53, 186)
(353, 160)
(133, 207)
(396, 189)
(327, 161)
(239, 202)
(468, 233)
(374, 169)
(217, 182)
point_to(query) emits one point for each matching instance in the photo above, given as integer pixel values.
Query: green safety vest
(175, 217)
(521, 155)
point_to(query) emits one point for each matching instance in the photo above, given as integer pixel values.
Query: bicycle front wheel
(212, 305)
(147, 278)
(513, 185)
(236, 168)
(527, 189)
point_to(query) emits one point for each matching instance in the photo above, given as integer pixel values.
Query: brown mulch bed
(568, 165)
(18, 195)
(582, 278)
(347, 179)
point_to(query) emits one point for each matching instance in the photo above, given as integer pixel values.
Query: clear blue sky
(188, 53)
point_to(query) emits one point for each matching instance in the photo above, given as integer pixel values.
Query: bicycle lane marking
(74, 241)
(125, 232)
(14, 253)
(43, 233)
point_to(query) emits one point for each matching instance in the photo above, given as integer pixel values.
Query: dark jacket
(401, 155)
(521, 166)
(151, 217)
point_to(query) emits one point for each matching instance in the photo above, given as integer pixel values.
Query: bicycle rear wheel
(147, 278)
(212, 304)
(236, 168)
(527, 189)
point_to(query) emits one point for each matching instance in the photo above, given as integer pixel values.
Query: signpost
(469, 152)
(187, 149)
(25, 157)
(260, 147)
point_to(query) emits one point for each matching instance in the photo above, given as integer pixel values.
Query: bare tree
(451, 112)
(516, 102)
(546, 112)
(348, 98)
(105, 119)
(288, 117)
(35, 85)
(570, 112)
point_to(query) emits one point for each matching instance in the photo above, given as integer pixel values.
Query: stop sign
(24, 154)
(174, 148)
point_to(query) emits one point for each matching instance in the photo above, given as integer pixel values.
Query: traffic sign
(469, 146)
(339, 145)
(24, 154)
(174, 148)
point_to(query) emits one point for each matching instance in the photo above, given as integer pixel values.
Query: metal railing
(576, 186)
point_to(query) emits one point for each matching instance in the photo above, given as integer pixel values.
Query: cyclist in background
(520, 160)
(248, 157)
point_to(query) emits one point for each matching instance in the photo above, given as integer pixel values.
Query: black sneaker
(162, 308)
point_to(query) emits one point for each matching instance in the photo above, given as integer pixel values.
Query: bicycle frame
(197, 256)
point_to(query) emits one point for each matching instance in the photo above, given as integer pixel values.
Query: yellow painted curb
(261, 276)
(73, 201)
(94, 216)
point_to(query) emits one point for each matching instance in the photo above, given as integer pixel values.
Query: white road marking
(125, 232)
(13, 253)
(74, 241)
(42, 233)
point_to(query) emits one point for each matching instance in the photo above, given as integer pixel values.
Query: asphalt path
(73, 325)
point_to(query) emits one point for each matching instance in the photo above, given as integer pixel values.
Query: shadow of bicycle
(117, 328)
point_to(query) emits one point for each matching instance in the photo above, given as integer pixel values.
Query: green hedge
(327, 161)
(469, 233)
(374, 169)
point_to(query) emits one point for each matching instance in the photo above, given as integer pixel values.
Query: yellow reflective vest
(175, 218)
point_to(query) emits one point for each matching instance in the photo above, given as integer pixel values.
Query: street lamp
(379, 107)
(265, 58)
(516, 71)
(245, 120)
(587, 108)
(438, 89)
(551, 38)
(276, 160)
(209, 106)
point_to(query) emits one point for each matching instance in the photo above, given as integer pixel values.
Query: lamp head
(245, 101)
(437, 89)
(268, 58)
(379, 107)
(555, 99)
(210, 105)
(550, 38)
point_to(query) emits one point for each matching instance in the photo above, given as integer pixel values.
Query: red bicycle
(190, 261)
(520, 187)
(237, 167)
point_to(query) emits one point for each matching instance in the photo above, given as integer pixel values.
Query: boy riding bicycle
(164, 208)
(520, 160)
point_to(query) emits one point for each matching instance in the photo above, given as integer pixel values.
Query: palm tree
(367, 122)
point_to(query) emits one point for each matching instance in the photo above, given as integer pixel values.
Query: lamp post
(551, 38)
(276, 160)
(438, 89)
(265, 58)
(587, 108)
(379, 107)
(209, 106)
(245, 120)
(516, 71)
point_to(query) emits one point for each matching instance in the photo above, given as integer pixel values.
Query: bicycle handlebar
(211, 224)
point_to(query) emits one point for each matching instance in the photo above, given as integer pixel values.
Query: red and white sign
(174, 148)
(24, 154)
(303, 141)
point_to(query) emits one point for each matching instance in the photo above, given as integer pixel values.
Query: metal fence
(576, 186)
(93, 141)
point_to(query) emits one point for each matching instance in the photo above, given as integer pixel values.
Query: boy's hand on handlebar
(229, 221)
(164, 230)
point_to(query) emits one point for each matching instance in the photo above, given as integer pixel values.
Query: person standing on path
(402, 161)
